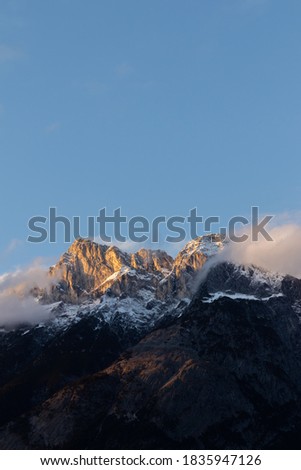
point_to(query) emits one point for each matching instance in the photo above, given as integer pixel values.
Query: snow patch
(219, 295)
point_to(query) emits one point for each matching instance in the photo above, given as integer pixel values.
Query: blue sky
(155, 107)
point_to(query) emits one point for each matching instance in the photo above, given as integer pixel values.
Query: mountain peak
(89, 269)
(157, 260)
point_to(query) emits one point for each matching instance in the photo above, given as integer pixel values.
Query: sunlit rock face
(84, 268)
(89, 269)
(182, 280)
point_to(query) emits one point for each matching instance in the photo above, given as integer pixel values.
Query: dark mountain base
(227, 375)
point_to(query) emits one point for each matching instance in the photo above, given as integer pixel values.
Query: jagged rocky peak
(196, 252)
(154, 260)
(85, 266)
(91, 253)
(182, 280)
(89, 269)
(85, 255)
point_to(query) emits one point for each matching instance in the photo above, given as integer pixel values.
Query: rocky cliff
(88, 270)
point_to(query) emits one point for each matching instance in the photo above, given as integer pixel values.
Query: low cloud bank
(17, 305)
(282, 255)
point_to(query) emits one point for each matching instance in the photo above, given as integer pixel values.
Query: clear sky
(152, 106)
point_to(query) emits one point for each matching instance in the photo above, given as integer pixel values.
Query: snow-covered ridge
(238, 296)
(261, 276)
(208, 245)
(240, 282)
(93, 279)
(141, 288)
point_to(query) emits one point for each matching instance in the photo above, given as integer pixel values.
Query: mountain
(88, 270)
(102, 301)
(220, 371)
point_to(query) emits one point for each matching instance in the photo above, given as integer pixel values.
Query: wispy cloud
(9, 53)
(288, 217)
(13, 245)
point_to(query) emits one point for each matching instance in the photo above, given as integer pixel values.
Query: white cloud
(22, 280)
(282, 255)
(287, 218)
(17, 305)
(10, 248)
(16, 311)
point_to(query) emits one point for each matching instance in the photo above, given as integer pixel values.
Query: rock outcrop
(88, 270)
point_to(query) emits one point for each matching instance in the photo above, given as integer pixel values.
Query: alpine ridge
(88, 270)
(142, 352)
